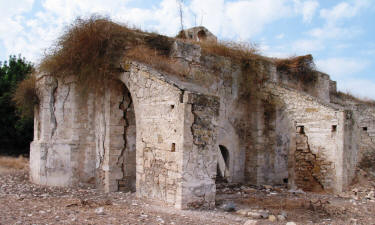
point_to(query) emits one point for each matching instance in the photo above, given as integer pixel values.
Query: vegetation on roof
(92, 50)
(299, 68)
(350, 97)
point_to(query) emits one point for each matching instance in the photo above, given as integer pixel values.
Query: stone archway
(223, 163)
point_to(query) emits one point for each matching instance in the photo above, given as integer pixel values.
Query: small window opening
(364, 128)
(301, 129)
(173, 148)
(285, 180)
(172, 106)
(334, 128)
(202, 35)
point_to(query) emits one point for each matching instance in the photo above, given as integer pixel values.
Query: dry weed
(300, 68)
(350, 96)
(9, 162)
(26, 96)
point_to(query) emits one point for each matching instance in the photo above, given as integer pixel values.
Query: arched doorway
(222, 164)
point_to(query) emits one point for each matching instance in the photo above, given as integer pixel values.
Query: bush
(16, 131)
(26, 96)
(91, 49)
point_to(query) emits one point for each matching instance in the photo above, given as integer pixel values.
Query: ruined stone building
(170, 137)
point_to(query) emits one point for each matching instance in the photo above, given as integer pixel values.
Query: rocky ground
(22, 202)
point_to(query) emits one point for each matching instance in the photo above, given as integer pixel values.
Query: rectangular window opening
(301, 129)
(334, 128)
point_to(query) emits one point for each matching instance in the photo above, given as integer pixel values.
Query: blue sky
(339, 34)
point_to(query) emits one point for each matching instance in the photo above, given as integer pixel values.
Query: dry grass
(300, 68)
(349, 96)
(235, 51)
(26, 96)
(248, 57)
(91, 49)
(8, 162)
(153, 58)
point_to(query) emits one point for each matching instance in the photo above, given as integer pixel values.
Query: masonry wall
(329, 142)
(140, 132)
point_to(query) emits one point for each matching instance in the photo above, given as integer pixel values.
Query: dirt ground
(22, 202)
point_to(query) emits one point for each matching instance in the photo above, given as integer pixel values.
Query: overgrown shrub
(91, 49)
(26, 96)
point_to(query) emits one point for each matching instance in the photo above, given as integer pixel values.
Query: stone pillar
(199, 154)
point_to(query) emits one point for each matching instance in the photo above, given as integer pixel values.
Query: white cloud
(344, 10)
(307, 9)
(342, 67)
(209, 13)
(332, 28)
(241, 19)
(280, 36)
(248, 18)
(330, 31)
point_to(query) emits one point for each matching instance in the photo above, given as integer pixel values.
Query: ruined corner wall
(322, 144)
(143, 127)
(53, 152)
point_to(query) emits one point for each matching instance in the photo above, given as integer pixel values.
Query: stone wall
(328, 134)
(144, 127)
(159, 134)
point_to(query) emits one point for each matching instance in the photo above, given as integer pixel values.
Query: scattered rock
(269, 187)
(284, 214)
(296, 191)
(254, 215)
(290, 223)
(251, 222)
(99, 211)
(272, 218)
(242, 212)
(264, 214)
(281, 218)
(229, 207)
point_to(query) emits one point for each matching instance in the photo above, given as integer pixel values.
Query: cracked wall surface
(132, 136)
(158, 134)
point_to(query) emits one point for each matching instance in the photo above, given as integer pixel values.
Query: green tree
(16, 131)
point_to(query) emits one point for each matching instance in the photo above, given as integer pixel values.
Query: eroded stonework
(170, 138)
